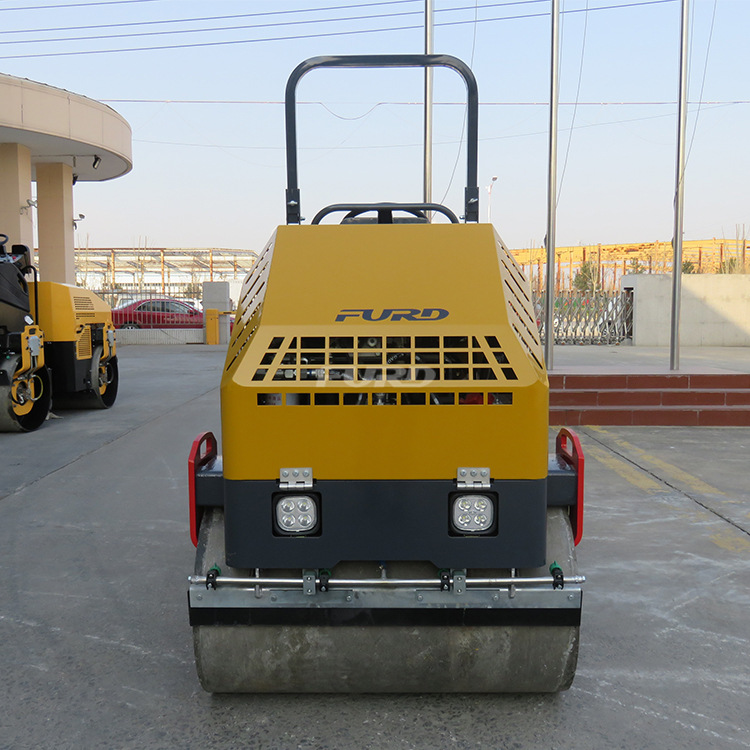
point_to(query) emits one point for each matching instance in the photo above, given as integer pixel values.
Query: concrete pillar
(54, 191)
(15, 193)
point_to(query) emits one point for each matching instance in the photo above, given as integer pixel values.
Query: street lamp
(489, 199)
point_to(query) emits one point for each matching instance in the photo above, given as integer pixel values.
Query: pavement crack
(666, 482)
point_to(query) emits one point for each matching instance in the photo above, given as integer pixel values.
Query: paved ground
(628, 358)
(96, 651)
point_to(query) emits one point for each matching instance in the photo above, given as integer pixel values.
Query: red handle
(203, 451)
(573, 456)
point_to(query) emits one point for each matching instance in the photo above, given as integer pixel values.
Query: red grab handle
(573, 456)
(202, 452)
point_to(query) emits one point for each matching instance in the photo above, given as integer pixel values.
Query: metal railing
(146, 308)
(588, 317)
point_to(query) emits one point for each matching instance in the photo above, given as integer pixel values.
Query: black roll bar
(471, 193)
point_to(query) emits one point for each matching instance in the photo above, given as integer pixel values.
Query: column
(54, 189)
(15, 194)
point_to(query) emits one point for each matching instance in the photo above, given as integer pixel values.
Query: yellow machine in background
(384, 516)
(80, 346)
(57, 346)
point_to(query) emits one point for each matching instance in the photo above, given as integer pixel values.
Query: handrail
(471, 193)
(355, 209)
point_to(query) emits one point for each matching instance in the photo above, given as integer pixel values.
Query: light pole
(489, 199)
(428, 50)
(674, 341)
(549, 329)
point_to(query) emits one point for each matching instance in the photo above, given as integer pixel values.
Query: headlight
(296, 514)
(472, 514)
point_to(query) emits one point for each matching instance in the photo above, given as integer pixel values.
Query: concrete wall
(127, 336)
(715, 309)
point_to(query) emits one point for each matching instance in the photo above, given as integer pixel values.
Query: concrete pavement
(96, 649)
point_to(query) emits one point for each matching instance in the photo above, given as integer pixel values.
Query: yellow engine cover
(66, 313)
(392, 351)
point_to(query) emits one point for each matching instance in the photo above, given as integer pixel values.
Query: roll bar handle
(471, 192)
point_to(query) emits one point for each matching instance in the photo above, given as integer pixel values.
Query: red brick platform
(688, 399)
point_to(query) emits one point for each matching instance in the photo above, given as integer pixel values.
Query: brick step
(716, 399)
(695, 416)
(638, 381)
(650, 397)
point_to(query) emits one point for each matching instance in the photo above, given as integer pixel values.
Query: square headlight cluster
(297, 514)
(473, 514)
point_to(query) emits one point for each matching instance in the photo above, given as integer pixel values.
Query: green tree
(730, 265)
(688, 266)
(587, 277)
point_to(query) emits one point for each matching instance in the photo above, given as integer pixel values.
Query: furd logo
(396, 314)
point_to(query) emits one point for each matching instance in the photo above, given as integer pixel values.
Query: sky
(202, 84)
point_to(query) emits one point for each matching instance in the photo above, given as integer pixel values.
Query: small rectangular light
(296, 514)
(473, 514)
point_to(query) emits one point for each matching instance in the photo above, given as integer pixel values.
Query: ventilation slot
(391, 398)
(250, 307)
(83, 344)
(83, 303)
(384, 359)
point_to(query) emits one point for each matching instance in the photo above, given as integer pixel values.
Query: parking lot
(96, 647)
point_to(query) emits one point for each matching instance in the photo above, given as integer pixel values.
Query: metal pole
(674, 348)
(489, 198)
(549, 326)
(429, 25)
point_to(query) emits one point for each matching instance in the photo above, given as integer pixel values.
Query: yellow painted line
(730, 539)
(627, 471)
(670, 470)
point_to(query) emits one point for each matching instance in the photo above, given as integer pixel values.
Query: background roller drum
(24, 402)
(104, 379)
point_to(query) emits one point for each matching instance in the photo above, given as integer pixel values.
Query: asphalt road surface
(96, 651)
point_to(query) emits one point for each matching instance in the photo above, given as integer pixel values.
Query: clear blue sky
(210, 171)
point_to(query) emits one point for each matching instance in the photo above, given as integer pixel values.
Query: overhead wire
(228, 42)
(713, 105)
(703, 83)
(575, 106)
(463, 121)
(259, 14)
(80, 5)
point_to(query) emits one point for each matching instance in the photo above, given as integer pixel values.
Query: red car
(157, 313)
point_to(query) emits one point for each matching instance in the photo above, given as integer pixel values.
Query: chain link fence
(588, 317)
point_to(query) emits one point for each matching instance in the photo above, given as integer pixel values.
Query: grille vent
(83, 303)
(372, 359)
(520, 308)
(250, 306)
(83, 344)
(403, 398)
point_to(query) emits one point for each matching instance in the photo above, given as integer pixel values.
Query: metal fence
(588, 317)
(124, 294)
(152, 308)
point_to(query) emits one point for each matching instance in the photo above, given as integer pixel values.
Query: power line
(279, 102)
(302, 22)
(575, 106)
(322, 34)
(79, 27)
(415, 145)
(80, 5)
(703, 82)
(466, 108)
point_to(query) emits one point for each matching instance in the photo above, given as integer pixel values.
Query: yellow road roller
(385, 515)
(80, 347)
(57, 346)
